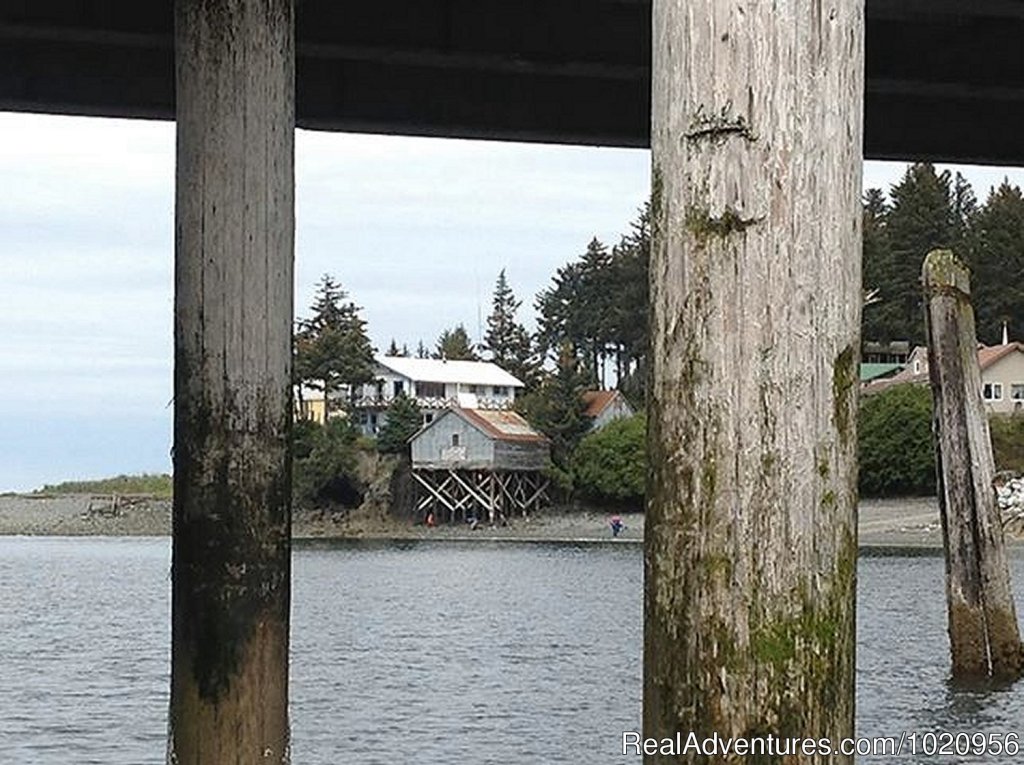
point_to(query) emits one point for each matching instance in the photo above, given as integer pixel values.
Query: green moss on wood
(704, 227)
(844, 382)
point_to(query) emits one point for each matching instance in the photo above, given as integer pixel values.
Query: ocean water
(427, 653)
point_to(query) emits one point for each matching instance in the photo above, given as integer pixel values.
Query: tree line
(926, 210)
(591, 333)
(592, 318)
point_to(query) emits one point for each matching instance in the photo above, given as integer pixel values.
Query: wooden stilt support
(984, 638)
(756, 293)
(234, 229)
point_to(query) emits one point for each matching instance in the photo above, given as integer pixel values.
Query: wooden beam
(234, 234)
(983, 633)
(751, 545)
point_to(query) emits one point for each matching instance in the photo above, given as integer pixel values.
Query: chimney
(1006, 336)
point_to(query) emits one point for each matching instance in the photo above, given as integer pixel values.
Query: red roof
(501, 424)
(597, 401)
(989, 356)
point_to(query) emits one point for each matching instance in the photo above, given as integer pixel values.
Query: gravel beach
(895, 522)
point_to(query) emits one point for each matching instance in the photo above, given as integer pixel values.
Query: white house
(436, 385)
(1002, 376)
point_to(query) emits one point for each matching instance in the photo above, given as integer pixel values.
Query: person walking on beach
(616, 525)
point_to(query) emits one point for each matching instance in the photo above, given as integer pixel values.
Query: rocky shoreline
(898, 523)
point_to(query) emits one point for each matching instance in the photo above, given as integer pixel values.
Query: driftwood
(756, 296)
(983, 633)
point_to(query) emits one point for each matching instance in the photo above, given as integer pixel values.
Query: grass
(154, 484)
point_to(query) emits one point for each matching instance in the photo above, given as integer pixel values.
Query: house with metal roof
(603, 406)
(475, 463)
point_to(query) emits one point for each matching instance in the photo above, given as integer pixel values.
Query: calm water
(423, 653)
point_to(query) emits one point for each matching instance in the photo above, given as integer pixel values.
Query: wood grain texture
(983, 633)
(234, 244)
(756, 296)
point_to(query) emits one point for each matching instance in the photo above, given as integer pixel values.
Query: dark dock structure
(758, 118)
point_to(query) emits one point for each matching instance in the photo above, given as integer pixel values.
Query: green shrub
(610, 465)
(155, 484)
(897, 457)
(404, 418)
(321, 454)
(1008, 441)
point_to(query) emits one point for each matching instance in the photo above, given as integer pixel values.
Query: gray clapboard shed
(470, 462)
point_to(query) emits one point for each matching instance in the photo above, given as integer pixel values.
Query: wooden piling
(234, 231)
(756, 296)
(984, 637)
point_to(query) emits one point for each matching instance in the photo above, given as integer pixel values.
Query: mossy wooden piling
(234, 232)
(984, 637)
(756, 298)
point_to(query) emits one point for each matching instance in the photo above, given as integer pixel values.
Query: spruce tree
(402, 421)
(455, 345)
(997, 285)
(332, 350)
(921, 218)
(507, 340)
(629, 332)
(879, 320)
(557, 410)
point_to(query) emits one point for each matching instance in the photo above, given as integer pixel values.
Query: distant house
(603, 406)
(1002, 376)
(309, 404)
(436, 385)
(479, 439)
(870, 371)
(474, 463)
(895, 352)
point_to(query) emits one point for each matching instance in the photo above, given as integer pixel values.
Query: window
(992, 391)
(455, 439)
(917, 366)
(1017, 392)
(428, 417)
(500, 391)
(399, 387)
(430, 389)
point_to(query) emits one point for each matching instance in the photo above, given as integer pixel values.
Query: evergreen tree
(922, 218)
(595, 312)
(507, 340)
(455, 345)
(558, 312)
(403, 419)
(997, 282)
(393, 349)
(332, 351)
(879, 322)
(421, 351)
(631, 300)
(557, 409)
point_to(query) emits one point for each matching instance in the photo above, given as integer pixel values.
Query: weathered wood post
(234, 231)
(756, 296)
(984, 638)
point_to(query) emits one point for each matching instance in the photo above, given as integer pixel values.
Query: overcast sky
(416, 230)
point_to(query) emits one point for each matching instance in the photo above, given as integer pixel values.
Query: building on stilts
(487, 465)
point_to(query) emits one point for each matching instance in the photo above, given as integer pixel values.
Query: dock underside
(945, 79)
